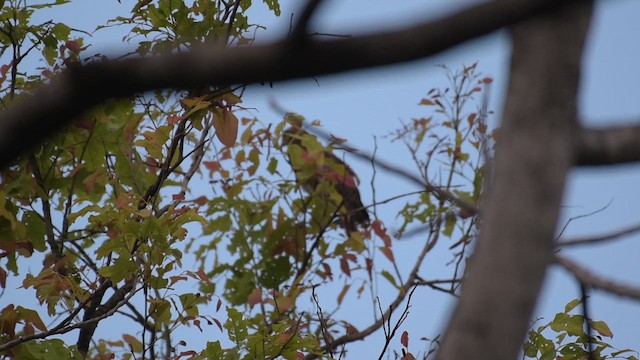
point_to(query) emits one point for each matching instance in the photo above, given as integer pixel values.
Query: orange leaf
(226, 127)
(426, 102)
(343, 293)
(212, 166)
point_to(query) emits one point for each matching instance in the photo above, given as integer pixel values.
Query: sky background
(361, 104)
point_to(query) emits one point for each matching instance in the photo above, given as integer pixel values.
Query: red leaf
(471, 118)
(404, 339)
(388, 253)
(344, 265)
(255, 297)
(3, 278)
(378, 228)
(218, 323)
(487, 80)
(203, 276)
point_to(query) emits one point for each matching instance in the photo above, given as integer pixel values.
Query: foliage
(571, 339)
(173, 212)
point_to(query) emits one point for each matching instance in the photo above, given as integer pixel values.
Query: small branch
(598, 239)
(587, 278)
(582, 216)
(402, 294)
(64, 330)
(300, 29)
(390, 333)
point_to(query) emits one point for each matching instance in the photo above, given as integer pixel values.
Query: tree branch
(32, 118)
(586, 277)
(608, 146)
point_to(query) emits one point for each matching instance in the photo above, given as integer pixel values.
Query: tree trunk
(534, 152)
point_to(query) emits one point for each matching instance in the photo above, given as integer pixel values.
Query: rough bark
(533, 155)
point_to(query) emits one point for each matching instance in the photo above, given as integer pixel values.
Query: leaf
(388, 253)
(344, 266)
(273, 165)
(571, 324)
(426, 102)
(571, 305)
(255, 297)
(3, 278)
(602, 328)
(404, 339)
(449, 224)
(345, 288)
(387, 275)
(226, 127)
(133, 342)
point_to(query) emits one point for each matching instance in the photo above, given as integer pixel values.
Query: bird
(315, 164)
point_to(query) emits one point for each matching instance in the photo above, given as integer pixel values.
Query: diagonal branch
(28, 121)
(586, 277)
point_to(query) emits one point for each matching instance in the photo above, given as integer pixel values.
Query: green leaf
(572, 324)
(572, 304)
(602, 328)
(449, 224)
(387, 275)
(273, 165)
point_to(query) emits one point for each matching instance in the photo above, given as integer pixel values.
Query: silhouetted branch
(608, 146)
(32, 118)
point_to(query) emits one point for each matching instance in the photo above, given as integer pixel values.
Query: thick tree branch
(33, 118)
(521, 208)
(608, 146)
(587, 278)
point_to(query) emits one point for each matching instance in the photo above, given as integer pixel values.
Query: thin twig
(600, 238)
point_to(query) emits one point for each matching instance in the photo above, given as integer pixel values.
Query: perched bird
(313, 165)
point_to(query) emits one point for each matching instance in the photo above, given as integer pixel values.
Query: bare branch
(32, 118)
(601, 238)
(301, 28)
(587, 278)
(608, 146)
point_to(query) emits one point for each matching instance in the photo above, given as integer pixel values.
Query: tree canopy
(146, 205)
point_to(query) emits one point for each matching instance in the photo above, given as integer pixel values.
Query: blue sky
(365, 103)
